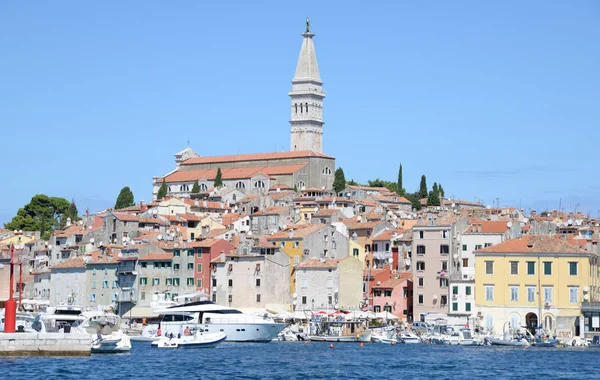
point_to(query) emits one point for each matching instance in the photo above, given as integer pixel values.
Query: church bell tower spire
(307, 99)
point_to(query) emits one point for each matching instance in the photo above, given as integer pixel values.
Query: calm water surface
(295, 360)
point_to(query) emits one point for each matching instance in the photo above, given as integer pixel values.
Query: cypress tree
(125, 198)
(423, 187)
(218, 178)
(399, 188)
(339, 180)
(162, 191)
(196, 188)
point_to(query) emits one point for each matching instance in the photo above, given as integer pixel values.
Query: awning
(140, 312)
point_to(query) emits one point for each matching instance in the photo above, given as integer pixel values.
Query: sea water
(296, 360)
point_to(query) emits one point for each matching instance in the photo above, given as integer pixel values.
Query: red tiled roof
(232, 173)
(76, 262)
(300, 231)
(157, 257)
(271, 211)
(488, 227)
(356, 225)
(318, 263)
(535, 244)
(279, 195)
(125, 217)
(216, 232)
(158, 221)
(393, 282)
(253, 157)
(326, 212)
(207, 243)
(389, 234)
(229, 219)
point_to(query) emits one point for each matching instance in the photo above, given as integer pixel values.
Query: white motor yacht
(409, 337)
(58, 319)
(213, 318)
(105, 329)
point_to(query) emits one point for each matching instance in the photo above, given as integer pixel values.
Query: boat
(148, 334)
(507, 342)
(197, 339)
(548, 343)
(105, 329)
(387, 335)
(210, 317)
(58, 319)
(410, 338)
(23, 322)
(323, 328)
(595, 343)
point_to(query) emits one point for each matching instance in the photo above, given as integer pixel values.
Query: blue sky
(492, 99)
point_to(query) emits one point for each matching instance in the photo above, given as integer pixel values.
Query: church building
(304, 166)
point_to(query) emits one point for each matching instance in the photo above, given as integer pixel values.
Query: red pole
(10, 312)
(21, 281)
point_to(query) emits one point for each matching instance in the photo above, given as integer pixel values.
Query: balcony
(382, 255)
(126, 297)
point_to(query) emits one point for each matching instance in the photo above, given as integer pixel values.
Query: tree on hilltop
(423, 187)
(125, 198)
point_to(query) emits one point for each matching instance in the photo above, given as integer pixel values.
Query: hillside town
(271, 232)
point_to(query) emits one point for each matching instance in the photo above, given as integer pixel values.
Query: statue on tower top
(307, 25)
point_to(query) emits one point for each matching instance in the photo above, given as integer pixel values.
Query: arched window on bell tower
(296, 105)
(306, 107)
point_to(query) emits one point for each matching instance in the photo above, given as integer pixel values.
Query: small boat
(337, 329)
(551, 343)
(408, 337)
(148, 334)
(105, 329)
(521, 342)
(595, 343)
(199, 339)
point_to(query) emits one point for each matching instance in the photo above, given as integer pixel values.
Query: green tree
(295, 189)
(423, 187)
(442, 194)
(162, 191)
(339, 180)
(414, 199)
(42, 213)
(399, 189)
(218, 178)
(196, 188)
(433, 199)
(352, 183)
(125, 198)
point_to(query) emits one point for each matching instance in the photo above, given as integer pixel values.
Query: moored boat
(197, 339)
(105, 329)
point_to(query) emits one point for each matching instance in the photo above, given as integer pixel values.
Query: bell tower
(307, 99)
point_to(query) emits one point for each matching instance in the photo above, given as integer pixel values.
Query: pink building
(395, 296)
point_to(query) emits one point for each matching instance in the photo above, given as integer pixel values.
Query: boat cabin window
(177, 318)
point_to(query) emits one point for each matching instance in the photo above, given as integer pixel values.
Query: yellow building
(535, 280)
(18, 238)
(358, 251)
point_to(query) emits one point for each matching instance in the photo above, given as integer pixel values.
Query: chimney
(291, 234)
(68, 224)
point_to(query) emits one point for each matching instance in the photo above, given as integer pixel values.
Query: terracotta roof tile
(300, 231)
(327, 212)
(157, 257)
(232, 173)
(320, 264)
(488, 227)
(125, 217)
(253, 157)
(76, 262)
(271, 211)
(216, 232)
(229, 219)
(389, 234)
(534, 244)
(393, 282)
